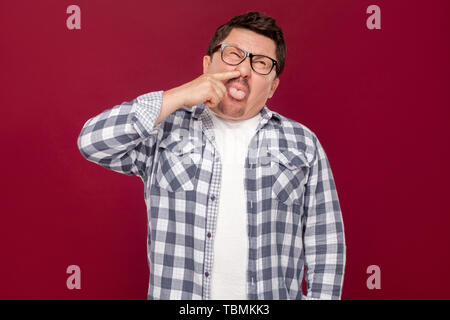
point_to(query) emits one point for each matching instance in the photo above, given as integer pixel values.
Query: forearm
(114, 138)
(325, 263)
(324, 239)
(171, 101)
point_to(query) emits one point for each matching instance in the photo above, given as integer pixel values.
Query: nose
(245, 68)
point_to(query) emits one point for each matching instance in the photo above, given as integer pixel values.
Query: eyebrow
(235, 45)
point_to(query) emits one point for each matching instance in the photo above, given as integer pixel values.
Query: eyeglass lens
(235, 56)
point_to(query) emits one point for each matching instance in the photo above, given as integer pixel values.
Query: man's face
(258, 88)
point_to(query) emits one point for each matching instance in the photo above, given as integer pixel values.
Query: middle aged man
(241, 200)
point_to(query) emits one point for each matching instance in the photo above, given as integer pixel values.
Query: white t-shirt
(229, 272)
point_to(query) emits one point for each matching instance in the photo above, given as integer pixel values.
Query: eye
(261, 63)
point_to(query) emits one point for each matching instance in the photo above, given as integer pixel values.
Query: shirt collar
(265, 112)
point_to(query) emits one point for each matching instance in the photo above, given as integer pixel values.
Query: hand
(209, 89)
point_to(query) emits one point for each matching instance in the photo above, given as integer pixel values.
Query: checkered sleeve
(323, 232)
(122, 138)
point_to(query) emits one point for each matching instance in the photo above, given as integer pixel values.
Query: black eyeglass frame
(246, 54)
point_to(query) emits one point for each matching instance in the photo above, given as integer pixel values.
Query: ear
(274, 87)
(206, 63)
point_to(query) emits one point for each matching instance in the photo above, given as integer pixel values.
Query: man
(241, 200)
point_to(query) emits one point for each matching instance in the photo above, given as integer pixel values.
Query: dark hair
(256, 22)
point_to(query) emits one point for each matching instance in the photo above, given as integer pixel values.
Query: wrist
(172, 99)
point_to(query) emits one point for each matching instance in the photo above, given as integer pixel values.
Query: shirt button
(207, 274)
(209, 234)
(213, 197)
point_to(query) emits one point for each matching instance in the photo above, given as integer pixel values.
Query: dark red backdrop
(377, 99)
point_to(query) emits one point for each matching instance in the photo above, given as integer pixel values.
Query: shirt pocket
(289, 175)
(178, 165)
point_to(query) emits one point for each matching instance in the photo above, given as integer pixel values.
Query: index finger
(226, 75)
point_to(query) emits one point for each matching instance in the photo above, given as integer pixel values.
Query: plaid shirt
(294, 218)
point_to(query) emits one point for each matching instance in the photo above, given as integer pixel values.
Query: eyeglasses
(233, 56)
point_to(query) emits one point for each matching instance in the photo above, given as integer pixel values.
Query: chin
(232, 108)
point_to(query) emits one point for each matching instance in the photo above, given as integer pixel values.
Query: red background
(377, 99)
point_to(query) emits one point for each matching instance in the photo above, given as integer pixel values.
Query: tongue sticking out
(236, 94)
